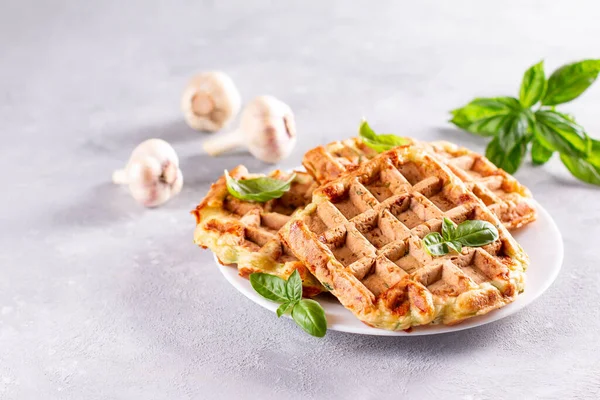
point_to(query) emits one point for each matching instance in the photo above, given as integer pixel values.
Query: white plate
(541, 240)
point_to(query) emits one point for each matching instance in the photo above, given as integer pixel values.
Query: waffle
(245, 233)
(362, 238)
(502, 193)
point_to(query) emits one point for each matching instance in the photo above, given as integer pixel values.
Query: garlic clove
(225, 142)
(145, 185)
(210, 101)
(267, 128)
(155, 148)
(169, 173)
(177, 184)
(272, 129)
(152, 173)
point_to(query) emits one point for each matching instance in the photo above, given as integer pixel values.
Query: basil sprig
(381, 142)
(570, 81)
(468, 233)
(308, 314)
(515, 126)
(257, 189)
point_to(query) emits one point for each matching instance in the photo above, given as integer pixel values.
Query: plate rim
(243, 286)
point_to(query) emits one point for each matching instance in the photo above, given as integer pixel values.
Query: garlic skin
(267, 128)
(210, 101)
(274, 128)
(152, 173)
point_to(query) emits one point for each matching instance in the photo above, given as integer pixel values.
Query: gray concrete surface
(102, 299)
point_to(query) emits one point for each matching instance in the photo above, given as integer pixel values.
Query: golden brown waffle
(361, 237)
(245, 233)
(502, 193)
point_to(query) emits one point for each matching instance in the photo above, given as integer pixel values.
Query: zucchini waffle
(502, 193)
(245, 233)
(362, 239)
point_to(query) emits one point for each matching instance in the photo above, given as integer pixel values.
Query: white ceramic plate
(541, 240)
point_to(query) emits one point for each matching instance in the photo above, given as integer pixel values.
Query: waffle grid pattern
(245, 233)
(503, 194)
(362, 234)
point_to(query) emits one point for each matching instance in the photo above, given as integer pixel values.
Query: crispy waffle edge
(224, 234)
(326, 163)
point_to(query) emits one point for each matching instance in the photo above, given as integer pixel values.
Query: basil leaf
(285, 307)
(310, 316)
(557, 132)
(468, 233)
(510, 162)
(485, 116)
(380, 143)
(257, 189)
(570, 81)
(435, 244)
(475, 233)
(540, 154)
(513, 131)
(293, 287)
(533, 85)
(454, 245)
(365, 131)
(582, 169)
(488, 126)
(269, 286)
(448, 229)
(594, 157)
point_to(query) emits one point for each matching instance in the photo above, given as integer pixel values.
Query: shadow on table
(572, 182)
(115, 141)
(432, 345)
(201, 169)
(101, 205)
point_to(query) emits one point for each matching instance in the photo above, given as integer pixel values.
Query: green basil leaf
(582, 169)
(310, 316)
(540, 154)
(448, 229)
(293, 286)
(257, 189)
(488, 126)
(380, 143)
(435, 244)
(485, 116)
(475, 233)
(570, 81)
(513, 131)
(468, 233)
(557, 132)
(269, 286)
(594, 156)
(533, 85)
(365, 131)
(568, 116)
(455, 246)
(285, 307)
(511, 161)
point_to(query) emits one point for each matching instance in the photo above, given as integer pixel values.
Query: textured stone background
(102, 299)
